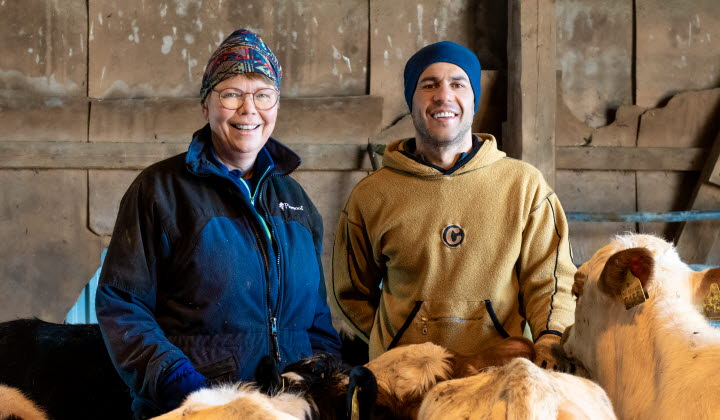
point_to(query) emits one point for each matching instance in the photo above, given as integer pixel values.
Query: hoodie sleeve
(154, 369)
(546, 269)
(356, 277)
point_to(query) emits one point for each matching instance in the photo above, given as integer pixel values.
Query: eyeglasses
(263, 99)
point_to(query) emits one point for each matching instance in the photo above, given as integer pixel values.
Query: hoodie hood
(395, 159)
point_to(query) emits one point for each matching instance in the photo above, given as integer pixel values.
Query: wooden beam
(532, 84)
(336, 157)
(630, 158)
(699, 242)
(108, 155)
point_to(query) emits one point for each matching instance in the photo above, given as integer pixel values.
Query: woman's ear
(205, 110)
(638, 261)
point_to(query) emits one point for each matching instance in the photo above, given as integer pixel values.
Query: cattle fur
(15, 405)
(64, 368)
(657, 360)
(240, 401)
(517, 391)
(326, 383)
(405, 374)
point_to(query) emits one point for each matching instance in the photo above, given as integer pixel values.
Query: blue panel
(83, 312)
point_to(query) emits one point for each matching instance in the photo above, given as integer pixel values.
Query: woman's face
(238, 135)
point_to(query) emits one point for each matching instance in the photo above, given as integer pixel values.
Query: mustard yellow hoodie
(461, 259)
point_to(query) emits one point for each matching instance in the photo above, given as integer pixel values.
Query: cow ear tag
(632, 292)
(711, 305)
(355, 406)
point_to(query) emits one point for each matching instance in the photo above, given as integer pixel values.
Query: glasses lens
(265, 98)
(231, 98)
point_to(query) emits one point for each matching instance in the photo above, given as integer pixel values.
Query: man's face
(240, 132)
(443, 106)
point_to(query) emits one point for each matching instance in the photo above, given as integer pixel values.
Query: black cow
(64, 368)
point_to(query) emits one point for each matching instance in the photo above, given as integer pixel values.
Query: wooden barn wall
(92, 91)
(637, 92)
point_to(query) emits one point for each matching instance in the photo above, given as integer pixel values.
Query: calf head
(405, 374)
(599, 287)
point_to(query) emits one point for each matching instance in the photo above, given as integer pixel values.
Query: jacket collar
(199, 159)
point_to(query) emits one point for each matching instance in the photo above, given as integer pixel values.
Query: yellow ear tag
(355, 415)
(633, 293)
(711, 305)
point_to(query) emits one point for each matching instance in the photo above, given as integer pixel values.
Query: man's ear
(638, 261)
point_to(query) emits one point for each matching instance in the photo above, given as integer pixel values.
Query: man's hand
(544, 356)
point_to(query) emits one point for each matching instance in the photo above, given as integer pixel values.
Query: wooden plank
(532, 84)
(106, 155)
(336, 157)
(631, 158)
(699, 242)
(25, 117)
(338, 120)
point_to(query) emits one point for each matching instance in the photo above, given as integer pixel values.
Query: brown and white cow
(658, 359)
(405, 374)
(517, 391)
(239, 401)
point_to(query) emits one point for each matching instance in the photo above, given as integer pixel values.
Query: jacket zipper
(273, 314)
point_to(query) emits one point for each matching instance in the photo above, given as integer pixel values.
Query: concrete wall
(92, 91)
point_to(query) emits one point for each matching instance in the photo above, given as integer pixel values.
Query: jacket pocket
(220, 372)
(212, 355)
(465, 327)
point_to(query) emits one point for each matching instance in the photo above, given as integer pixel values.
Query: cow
(317, 387)
(406, 373)
(639, 331)
(241, 401)
(518, 390)
(64, 368)
(326, 382)
(14, 405)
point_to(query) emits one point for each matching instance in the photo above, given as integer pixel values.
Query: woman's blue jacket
(202, 269)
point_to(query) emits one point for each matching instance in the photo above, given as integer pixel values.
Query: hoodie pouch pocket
(463, 326)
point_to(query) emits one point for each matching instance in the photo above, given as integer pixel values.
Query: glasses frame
(243, 94)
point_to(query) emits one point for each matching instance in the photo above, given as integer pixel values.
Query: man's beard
(439, 143)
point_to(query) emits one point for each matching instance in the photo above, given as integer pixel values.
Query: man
(452, 242)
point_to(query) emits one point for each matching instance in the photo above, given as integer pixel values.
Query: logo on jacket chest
(453, 236)
(286, 206)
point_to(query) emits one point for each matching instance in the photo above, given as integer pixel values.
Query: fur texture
(517, 391)
(405, 374)
(64, 368)
(656, 360)
(239, 402)
(14, 404)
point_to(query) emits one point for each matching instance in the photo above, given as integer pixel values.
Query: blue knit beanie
(442, 52)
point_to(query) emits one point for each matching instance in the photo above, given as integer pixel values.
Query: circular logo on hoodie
(453, 236)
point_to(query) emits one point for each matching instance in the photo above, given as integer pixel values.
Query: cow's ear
(638, 261)
(707, 279)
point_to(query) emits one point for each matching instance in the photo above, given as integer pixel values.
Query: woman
(215, 257)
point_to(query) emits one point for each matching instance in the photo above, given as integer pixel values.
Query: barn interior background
(617, 102)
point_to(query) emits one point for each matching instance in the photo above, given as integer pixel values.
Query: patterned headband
(242, 52)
